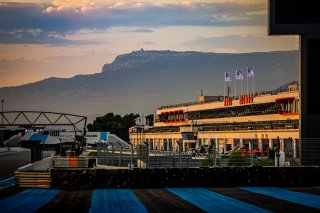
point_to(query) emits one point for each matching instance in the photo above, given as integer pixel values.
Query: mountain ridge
(141, 81)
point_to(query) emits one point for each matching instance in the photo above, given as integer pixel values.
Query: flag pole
(241, 85)
(224, 87)
(253, 81)
(247, 82)
(235, 89)
(253, 85)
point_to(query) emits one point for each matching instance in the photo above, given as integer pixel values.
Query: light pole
(2, 122)
(213, 142)
(147, 164)
(60, 146)
(131, 160)
(180, 146)
(251, 151)
(120, 156)
(291, 151)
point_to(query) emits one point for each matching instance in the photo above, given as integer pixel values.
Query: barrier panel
(186, 177)
(73, 162)
(34, 179)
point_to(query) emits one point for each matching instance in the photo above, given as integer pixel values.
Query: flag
(239, 75)
(250, 72)
(227, 77)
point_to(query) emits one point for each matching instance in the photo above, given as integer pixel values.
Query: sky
(64, 38)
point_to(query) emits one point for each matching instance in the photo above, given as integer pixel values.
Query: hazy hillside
(141, 81)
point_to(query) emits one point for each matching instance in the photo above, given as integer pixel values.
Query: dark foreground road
(242, 199)
(10, 161)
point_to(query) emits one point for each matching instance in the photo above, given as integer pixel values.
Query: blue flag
(239, 75)
(227, 77)
(250, 72)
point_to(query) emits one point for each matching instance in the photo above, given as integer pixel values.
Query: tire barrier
(31, 179)
(185, 177)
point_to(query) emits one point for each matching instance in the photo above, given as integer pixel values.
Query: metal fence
(305, 152)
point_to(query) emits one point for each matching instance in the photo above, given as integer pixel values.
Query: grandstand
(269, 119)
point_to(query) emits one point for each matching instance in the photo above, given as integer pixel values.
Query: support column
(270, 143)
(241, 142)
(155, 143)
(260, 144)
(309, 98)
(281, 144)
(284, 20)
(219, 146)
(161, 144)
(294, 148)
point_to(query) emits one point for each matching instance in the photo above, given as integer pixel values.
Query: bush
(237, 159)
(264, 162)
(208, 162)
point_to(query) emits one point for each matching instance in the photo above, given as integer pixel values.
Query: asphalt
(166, 200)
(10, 161)
(69, 201)
(160, 200)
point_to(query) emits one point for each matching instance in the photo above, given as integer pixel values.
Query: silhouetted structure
(303, 18)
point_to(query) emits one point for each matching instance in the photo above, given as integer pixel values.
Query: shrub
(237, 159)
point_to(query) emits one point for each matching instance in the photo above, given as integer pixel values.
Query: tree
(114, 124)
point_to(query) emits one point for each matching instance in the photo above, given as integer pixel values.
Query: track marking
(115, 200)
(27, 201)
(284, 194)
(214, 202)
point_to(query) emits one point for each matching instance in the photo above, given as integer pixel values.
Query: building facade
(267, 119)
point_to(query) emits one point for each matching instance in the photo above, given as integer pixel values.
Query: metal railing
(287, 153)
(269, 92)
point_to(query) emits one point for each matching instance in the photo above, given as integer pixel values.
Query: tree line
(116, 124)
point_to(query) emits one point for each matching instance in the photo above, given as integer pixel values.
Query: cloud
(148, 43)
(138, 31)
(38, 36)
(63, 17)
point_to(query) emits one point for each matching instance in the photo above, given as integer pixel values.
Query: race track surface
(235, 199)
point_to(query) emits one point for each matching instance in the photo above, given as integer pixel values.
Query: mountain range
(141, 81)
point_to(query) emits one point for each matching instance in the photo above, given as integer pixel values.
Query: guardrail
(73, 162)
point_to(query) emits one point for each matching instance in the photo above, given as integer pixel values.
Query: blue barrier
(213, 202)
(283, 194)
(115, 200)
(7, 182)
(27, 201)
(7, 153)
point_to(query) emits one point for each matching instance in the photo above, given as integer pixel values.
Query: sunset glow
(42, 39)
